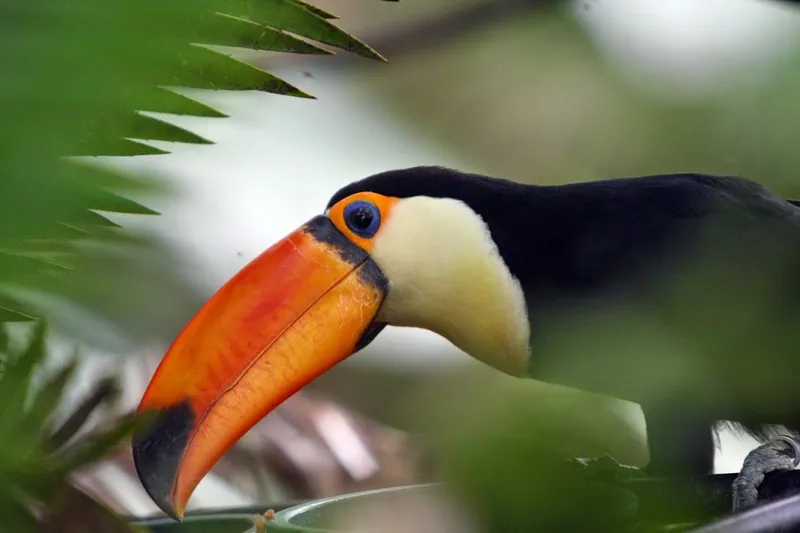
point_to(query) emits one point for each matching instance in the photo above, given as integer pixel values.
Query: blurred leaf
(318, 11)
(16, 516)
(8, 314)
(74, 511)
(105, 391)
(165, 100)
(81, 78)
(48, 398)
(145, 127)
(205, 68)
(229, 30)
(34, 464)
(3, 346)
(95, 447)
(21, 455)
(293, 16)
(106, 201)
(73, 92)
(90, 218)
(15, 382)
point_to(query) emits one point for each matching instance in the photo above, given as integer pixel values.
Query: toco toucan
(486, 263)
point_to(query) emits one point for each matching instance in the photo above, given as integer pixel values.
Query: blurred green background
(537, 91)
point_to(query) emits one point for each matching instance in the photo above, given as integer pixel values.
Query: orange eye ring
(361, 216)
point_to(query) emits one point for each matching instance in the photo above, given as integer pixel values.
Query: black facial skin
(324, 230)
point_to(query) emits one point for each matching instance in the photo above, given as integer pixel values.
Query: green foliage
(38, 444)
(80, 77)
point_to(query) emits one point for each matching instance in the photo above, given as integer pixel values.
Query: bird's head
(402, 248)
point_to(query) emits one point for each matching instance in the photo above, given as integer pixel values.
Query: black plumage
(611, 245)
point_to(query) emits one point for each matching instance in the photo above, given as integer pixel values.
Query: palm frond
(38, 452)
(85, 78)
(82, 77)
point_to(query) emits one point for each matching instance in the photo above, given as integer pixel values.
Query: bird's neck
(452, 281)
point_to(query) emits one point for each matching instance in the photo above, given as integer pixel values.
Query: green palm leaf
(80, 78)
(37, 452)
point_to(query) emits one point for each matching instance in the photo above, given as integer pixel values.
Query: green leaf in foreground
(79, 78)
(37, 454)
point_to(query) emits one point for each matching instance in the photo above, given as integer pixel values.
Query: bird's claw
(780, 453)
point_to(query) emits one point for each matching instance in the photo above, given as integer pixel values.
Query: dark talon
(780, 453)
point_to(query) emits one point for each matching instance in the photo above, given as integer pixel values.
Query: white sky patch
(688, 45)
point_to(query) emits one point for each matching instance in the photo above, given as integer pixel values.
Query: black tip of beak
(157, 451)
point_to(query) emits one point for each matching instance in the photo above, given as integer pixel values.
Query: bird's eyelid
(383, 203)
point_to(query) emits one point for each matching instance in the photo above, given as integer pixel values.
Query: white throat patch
(446, 275)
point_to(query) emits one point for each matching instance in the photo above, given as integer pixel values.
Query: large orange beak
(299, 308)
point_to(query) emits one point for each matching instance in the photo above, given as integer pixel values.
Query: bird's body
(493, 265)
(606, 246)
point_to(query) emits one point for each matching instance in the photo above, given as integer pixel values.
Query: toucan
(486, 262)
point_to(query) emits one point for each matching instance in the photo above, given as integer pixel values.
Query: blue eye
(362, 218)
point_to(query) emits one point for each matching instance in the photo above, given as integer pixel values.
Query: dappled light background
(536, 91)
